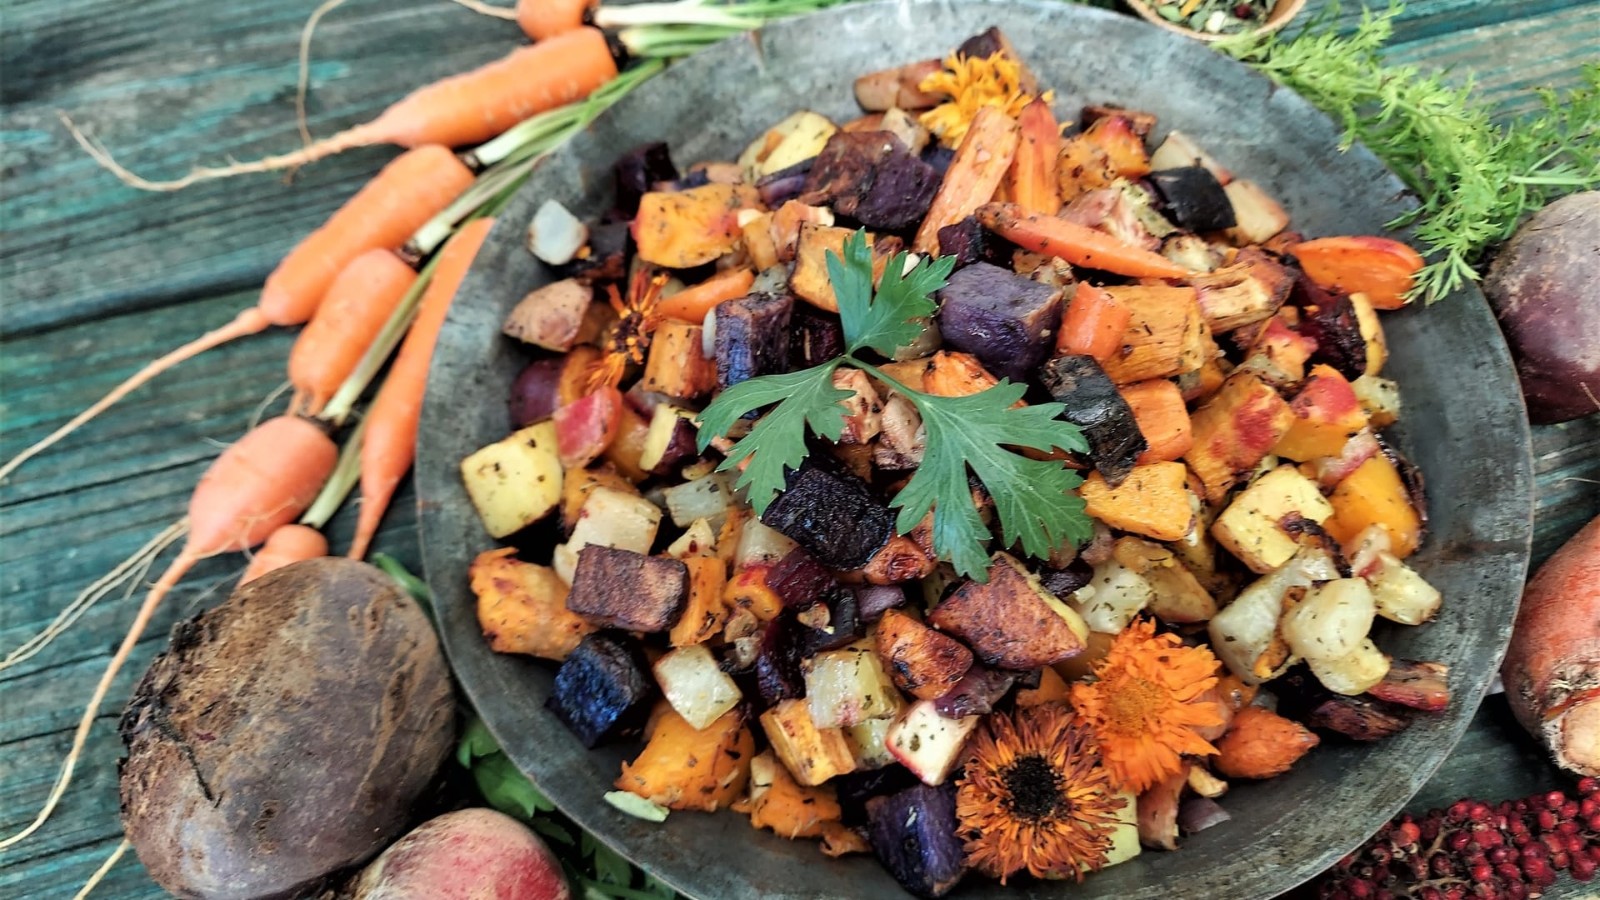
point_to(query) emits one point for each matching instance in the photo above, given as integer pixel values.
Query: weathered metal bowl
(1464, 424)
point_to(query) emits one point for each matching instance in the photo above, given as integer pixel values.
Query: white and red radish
(469, 854)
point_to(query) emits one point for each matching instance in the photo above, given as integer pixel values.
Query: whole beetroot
(284, 735)
(470, 854)
(1545, 289)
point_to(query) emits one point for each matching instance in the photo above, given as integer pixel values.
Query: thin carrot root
(303, 82)
(246, 323)
(104, 870)
(130, 571)
(174, 573)
(484, 9)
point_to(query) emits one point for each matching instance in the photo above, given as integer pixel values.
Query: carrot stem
(394, 330)
(346, 474)
(246, 323)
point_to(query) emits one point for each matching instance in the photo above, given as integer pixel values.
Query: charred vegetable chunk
(830, 624)
(1359, 718)
(1093, 403)
(785, 184)
(638, 171)
(605, 257)
(622, 589)
(1419, 685)
(814, 338)
(1011, 621)
(1332, 322)
(976, 693)
(872, 177)
(752, 337)
(778, 658)
(914, 835)
(1005, 320)
(1193, 198)
(923, 662)
(603, 689)
(832, 515)
(969, 242)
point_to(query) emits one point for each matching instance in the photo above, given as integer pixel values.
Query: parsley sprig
(977, 434)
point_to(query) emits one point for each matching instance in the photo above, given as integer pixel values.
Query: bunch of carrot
(353, 284)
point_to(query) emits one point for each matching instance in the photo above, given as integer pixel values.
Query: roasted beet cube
(1331, 322)
(830, 624)
(1007, 321)
(1094, 404)
(637, 172)
(969, 242)
(1064, 581)
(833, 515)
(1193, 198)
(799, 580)
(814, 338)
(914, 834)
(777, 665)
(603, 688)
(785, 184)
(752, 337)
(616, 588)
(872, 177)
(976, 693)
(873, 600)
(1359, 718)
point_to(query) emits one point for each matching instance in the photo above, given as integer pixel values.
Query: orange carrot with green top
(1077, 244)
(389, 446)
(358, 304)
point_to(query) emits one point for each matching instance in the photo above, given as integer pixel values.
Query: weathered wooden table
(95, 278)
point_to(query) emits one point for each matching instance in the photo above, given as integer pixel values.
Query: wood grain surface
(95, 278)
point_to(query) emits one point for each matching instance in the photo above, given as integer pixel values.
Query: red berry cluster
(1513, 850)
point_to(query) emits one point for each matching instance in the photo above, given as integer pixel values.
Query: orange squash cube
(1374, 495)
(1326, 415)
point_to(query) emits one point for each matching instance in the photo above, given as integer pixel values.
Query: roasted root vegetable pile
(956, 484)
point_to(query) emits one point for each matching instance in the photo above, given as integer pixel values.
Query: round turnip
(284, 735)
(470, 854)
(1545, 289)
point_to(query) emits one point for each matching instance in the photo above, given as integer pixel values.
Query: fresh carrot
(261, 483)
(289, 544)
(463, 109)
(359, 302)
(389, 446)
(1077, 244)
(393, 205)
(1094, 324)
(1552, 668)
(544, 19)
(692, 304)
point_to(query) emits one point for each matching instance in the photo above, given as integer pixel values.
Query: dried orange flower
(630, 335)
(971, 84)
(1146, 702)
(1034, 797)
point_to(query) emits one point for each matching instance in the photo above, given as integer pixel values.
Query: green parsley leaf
(804, 398)
(506, 788)
(896, 315)
(476, 741)
(1034, 498)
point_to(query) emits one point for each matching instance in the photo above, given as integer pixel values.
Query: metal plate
(1464, 424)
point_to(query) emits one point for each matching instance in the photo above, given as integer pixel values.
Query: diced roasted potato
(1244, 293)
(683, 767)
(887, 89)
(924, 663)
(863, 417)
(1331, 621)
(695, 685)
(550, 316)
(1113, 596)
(1011, 621)
(1279, 353)
(1177, 594)
(1401, 594)
(1180, 150)
(707, 498)
(1258, 215)
(902, 439)
(677, 365)
(698, 540)
(1257, 526)
(515, 481)
(522, 606)
(1354, 673)
(609, 518)
(580, 483)
(1245, 635)
(848, 686)
(1165, 337)
(1379, 399)
(670, 441)
(1152, 501)
(1234, 431)
(927, 743)
(622, 589)
(813, 755)
(798, 137)
(869, 740)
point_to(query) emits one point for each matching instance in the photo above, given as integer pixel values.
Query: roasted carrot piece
(1383, 269)
(1094, 324)
(1163, 419)
(1077, 244)
(980, 163)
(693, 303)
(1031, 181)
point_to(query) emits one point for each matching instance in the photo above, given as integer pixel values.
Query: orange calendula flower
(1035, 797)
(972, 83)
(629, 337)
(1146, 702)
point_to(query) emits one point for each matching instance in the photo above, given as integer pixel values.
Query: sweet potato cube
(810, 281)
(682, 767)
(677, 365)
(682, 229)
(923, 662)
(1256, 526)
(1374, 495)
(1234, 431)
(1118, 137)
(779, 803)
(1083, 166)
(522, 606)
(707, 609)
(1052, 689)
(1165, 337)
(1163, 418)
(1011, 621)
(622, 589)
(813, 755)
(1153, 501)
(1326, 415)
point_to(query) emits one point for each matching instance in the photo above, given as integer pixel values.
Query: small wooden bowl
(1282, 12)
